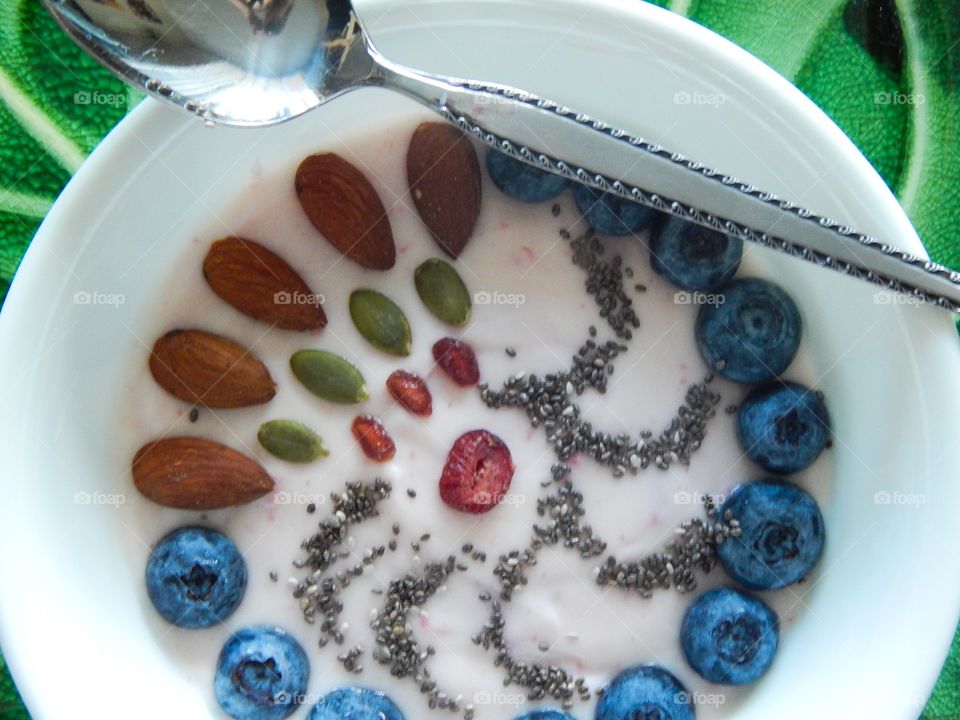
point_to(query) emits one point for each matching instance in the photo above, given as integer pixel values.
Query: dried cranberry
(457, 360)
(477, 473)
(374, 440)
(410, 391)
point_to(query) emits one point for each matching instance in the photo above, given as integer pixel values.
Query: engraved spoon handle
(574, 145)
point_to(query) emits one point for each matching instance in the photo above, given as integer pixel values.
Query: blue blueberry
(355, 704)
(692, 256)
(783, 426)
(521, 181)
(729, 637)
(262, 674)
(752, 335)
(196, 577)
(545, 715)
(781, 535)
(610, 214)
(645, 691)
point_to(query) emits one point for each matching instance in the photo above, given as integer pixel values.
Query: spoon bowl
(247, 63)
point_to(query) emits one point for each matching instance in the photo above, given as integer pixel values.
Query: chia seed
(692, 551)
(511, 352)
(555, 210)
(605, 283)
(194, 414)
(397, 648)
(549, 403)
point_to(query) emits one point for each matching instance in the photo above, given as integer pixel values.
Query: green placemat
(887, 72)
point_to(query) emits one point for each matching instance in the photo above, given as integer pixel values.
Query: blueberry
(545, 715)
(753, 334)
(783, 426)
(692, 256)
(781, 535)
(521, 181)
(262, 674)
(729, 637)
(355, 704)
(196, 577)
(610, 214)
(645, 691)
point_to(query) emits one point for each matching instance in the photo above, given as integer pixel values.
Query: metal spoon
(253, 63)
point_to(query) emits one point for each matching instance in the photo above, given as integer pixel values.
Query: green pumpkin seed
(329, 376)
(443, 291)
(291, 441)
(380, 321)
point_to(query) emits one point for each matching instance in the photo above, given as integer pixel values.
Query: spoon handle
(565, 142)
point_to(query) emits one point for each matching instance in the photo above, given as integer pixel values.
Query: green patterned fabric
(887, 71)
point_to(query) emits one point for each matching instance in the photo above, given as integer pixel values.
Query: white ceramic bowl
(877, 625)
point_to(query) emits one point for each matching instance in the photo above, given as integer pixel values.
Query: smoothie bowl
(345, 417)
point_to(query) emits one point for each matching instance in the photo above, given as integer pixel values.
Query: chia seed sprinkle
(555, 210)
(605, 283)
(511, 352)
(692, 551)
(397, 647)
(411, 493)
(194, 414)
(548, 402)
(539, 680)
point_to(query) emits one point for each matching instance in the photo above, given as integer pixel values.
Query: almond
(444, 177)
(195, 474)
(260, 284)
(343, 205)
(207, 369)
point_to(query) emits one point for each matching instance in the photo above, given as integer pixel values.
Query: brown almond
(444, 177)
(259, 283)
(207, 369)
(343, 205)
(195, 474)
